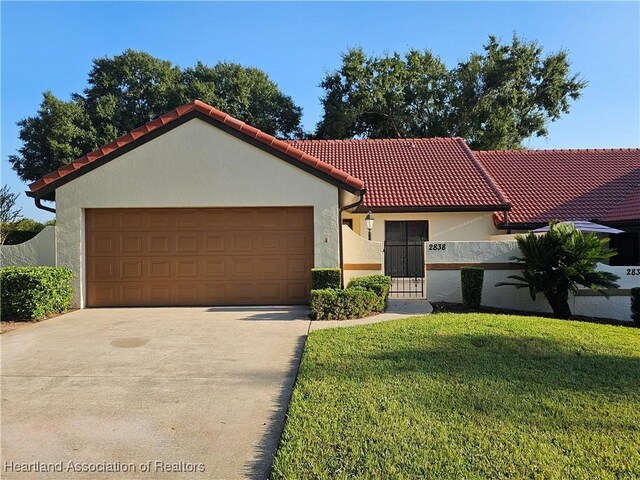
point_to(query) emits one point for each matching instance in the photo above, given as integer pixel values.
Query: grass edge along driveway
(466, 396)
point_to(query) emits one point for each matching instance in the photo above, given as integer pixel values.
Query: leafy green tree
(19, 231)
(59, 133)
(130, 89)
(559, 262)
(391, 96)
(9, 213)
(494, 99)
(127, 91)
(30, 225)
(243, 92)
(8, 210)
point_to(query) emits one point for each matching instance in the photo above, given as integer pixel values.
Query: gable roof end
(45, 187)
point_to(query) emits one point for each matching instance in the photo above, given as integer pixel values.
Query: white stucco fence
(360, 256)
(444, 259)
(39, 250)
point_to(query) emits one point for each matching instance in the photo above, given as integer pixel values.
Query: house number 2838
(437, 246)
(633, 271)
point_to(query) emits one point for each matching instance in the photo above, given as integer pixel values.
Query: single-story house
(596, 185)
(199, 208)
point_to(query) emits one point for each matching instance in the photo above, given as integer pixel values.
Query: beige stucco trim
(483, 265)
(362, 266)
(193, 165)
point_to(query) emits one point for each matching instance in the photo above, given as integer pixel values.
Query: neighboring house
(198, 208)
(439, 186)
(595, 185)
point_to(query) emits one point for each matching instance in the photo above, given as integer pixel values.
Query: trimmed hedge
(635, 305)
(322, 278)
(336, 304)
(363, 296)
(471, 281)
(379, 284)
(34, 292)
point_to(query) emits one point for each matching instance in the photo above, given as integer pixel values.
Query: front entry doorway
(404, 256)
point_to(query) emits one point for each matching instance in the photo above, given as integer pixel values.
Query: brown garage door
(198, 256)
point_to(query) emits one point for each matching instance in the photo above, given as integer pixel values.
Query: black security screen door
(404, 248)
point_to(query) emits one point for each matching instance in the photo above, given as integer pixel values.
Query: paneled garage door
(198, 256)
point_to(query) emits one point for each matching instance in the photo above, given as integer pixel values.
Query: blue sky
(49, 46)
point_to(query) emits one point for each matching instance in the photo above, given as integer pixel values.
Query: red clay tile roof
(54, 177)
(419, 172)
(543, 185)
(627, 210)
(540, 185)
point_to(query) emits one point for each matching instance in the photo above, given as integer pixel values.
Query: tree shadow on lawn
(474, 399)
(526, 363)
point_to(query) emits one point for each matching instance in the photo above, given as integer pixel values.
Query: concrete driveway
(157, 389)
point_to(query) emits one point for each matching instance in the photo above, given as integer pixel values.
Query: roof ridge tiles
(560, 150)
(369, 140)
(483, 171)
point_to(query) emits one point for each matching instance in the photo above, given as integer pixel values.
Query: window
(628, 246)
(348, 222)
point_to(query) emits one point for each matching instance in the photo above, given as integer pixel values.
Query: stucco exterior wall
(619, 307)
(193, 165)
(37, 251)
(360, 256)
(444, 284)
(443, 226)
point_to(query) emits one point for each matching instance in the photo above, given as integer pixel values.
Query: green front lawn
(466, 396)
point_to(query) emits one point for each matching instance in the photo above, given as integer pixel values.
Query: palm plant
(560, 261)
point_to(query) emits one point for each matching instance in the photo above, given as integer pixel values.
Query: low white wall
(444, 285)
(617, 306)
(629, 276)
(443, 280)
(461, 252)
(360, 257)
(39, 250)
(598, 306)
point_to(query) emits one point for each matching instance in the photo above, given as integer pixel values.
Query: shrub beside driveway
(362, 297)
(466, 396)
(34, 292)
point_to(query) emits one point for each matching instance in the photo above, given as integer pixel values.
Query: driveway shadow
(274, 313)
(265, 450)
